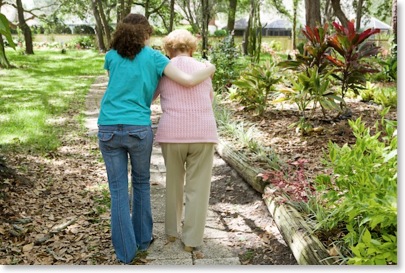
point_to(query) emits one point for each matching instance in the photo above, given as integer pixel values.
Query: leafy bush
(256, 85)
(271, 47)
(313, 53)
(350, 52)
(361, 193)
(367, 93)
(246, 137)
(310, 85)
(82, 42)
(388, 70)
(309, 88)
(386, 97)
(225, 55)
(220, 33)
(380, 94)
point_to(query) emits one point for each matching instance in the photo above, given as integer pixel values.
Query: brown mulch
(272, 130)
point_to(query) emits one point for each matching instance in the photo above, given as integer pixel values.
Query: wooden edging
(306, 248)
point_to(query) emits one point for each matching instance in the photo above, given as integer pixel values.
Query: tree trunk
(29, 49)
(246, 34)
(359, 14)
(339, 13)
(258, 34)
(123, 9)
(394, 26)
(105, 25)
(231, 15)
(328, 12)
(247, 46)
(120, 10)
(189, 14)
(294, 25)
(99, 27)
(204, 28)
(127, 8)
(312, 13)
(147, 9)
(253, 34)
(4, 63)
(171, 23)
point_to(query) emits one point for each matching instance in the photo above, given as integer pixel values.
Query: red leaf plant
(289, 184)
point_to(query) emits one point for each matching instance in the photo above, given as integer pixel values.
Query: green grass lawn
(40, 92)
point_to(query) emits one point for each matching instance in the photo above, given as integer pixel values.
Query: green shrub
(220, 33)
(388, 69)
(350, 57)
(256, 86)
(82, 42)
(361, 193)
(226, 56)
(386, 97)
(367, 94)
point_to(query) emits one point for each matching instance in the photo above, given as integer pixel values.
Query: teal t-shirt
(131, 86)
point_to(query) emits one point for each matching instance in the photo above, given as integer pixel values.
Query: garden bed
(272, 130)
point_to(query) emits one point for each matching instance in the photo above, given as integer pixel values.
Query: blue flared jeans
(130, 230)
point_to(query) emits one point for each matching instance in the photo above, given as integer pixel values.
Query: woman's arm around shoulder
(188, 80)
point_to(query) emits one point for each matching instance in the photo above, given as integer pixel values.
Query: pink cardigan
(187, 116)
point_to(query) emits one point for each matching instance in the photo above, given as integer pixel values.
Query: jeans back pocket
(105, 136)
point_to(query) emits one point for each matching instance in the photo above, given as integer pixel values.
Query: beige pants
(192, 161)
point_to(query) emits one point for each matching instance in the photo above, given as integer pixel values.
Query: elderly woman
(187, 134)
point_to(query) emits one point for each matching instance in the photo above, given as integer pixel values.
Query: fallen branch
(54, 230)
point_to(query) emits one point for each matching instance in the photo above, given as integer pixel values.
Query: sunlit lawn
(39, 92)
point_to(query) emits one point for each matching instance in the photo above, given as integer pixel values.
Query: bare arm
(188, 80)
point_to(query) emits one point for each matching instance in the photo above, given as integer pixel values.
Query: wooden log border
(306, 248)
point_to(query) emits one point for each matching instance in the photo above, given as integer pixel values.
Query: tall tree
(253, 34)
(280, 6)
(359, 13)
(22, 24)
(4, 31)
(191, 10)
(327, 12)
(394, 26)
(99, 26)
(339, 13)
(152, 7)
(123, 9)
(104, 22)
(171, 22)
(312, 12)
(205, 15)
(231, 15)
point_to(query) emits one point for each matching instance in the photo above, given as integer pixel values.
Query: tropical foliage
(351, 49)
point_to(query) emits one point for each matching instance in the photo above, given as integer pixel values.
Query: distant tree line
(167, 14)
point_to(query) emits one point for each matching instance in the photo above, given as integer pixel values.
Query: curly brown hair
(130, 35)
